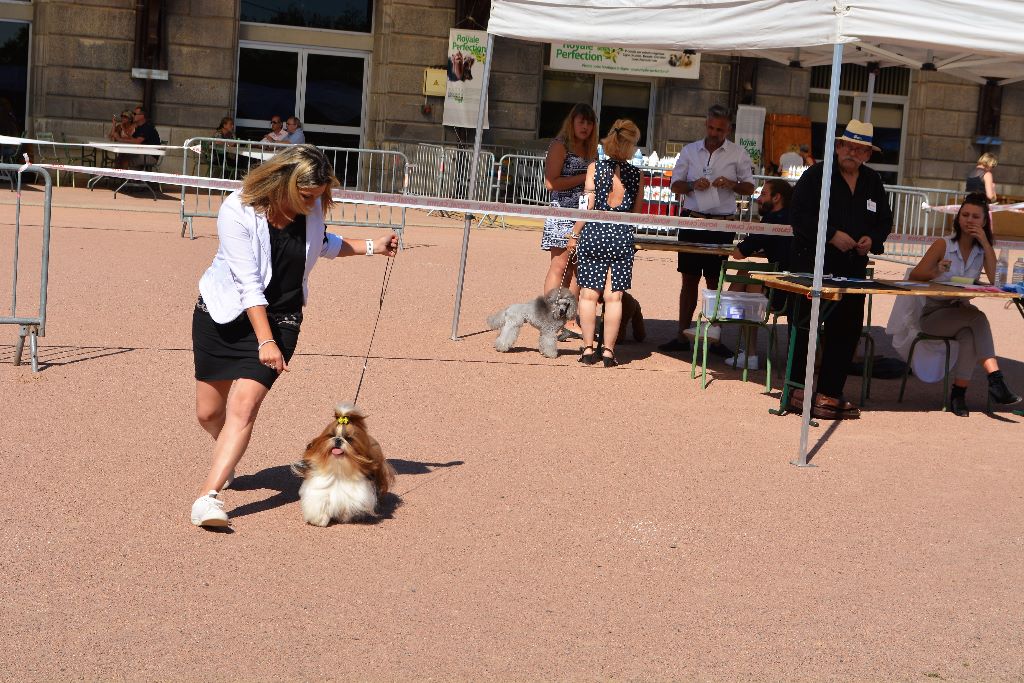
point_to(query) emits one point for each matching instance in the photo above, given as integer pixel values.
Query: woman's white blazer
(241, 270)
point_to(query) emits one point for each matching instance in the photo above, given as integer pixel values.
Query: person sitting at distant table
(277, 132)
(294, 134)
(773, 207)
(966, 253)
(121, 126)
(143, 133)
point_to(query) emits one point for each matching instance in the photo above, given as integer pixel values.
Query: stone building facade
(81, 56)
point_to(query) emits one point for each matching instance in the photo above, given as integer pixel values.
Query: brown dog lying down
(631, 314)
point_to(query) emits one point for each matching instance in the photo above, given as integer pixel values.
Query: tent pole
(472, 183)
(871, 96)
(819, 250)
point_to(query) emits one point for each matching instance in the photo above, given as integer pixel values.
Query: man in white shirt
(708, 175)
(277, 132)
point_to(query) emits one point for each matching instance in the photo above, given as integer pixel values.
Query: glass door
(621, 99)
(325, 89)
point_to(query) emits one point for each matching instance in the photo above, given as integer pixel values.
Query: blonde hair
(567, 134)
(987, 160)
(622, 139)
(276, 182)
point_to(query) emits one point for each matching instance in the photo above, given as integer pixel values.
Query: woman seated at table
(122, 126)
(964, 254)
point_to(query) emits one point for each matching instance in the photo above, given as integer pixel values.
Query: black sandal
(588, 358)
(609, 361)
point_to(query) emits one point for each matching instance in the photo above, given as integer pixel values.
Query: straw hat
(859, 133)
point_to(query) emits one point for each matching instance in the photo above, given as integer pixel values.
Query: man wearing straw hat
(859, 220)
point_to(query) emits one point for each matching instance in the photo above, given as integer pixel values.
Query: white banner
(624, 60)
(750, 132)
(467, 54)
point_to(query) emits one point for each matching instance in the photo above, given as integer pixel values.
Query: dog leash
(388, 269)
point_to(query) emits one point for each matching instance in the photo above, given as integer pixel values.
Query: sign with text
(631, 61)
(750, 132)
(467, 54)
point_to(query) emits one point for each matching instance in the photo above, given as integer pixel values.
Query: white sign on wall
(750, 132)
(467, 54)
(624, 60)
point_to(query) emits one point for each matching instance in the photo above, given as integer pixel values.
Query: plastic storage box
(736, 305)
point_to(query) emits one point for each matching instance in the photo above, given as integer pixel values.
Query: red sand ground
(557, 522)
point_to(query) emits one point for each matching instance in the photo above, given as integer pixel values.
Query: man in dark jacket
(859, 221)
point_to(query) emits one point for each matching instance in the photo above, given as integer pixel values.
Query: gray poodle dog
(547, 313)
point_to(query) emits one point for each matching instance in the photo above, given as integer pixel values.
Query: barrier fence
(443, 171)
(32, 325)
(520, 180)
(368, 170)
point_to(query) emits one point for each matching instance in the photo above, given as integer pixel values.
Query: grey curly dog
(547, 313)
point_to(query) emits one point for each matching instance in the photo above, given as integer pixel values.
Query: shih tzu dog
(344, 471)
(547, 313)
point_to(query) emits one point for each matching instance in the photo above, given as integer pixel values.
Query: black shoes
(675, 346)
(589, 356)
(609, 360)
(998, 390)
(958, 402)
(565, 334)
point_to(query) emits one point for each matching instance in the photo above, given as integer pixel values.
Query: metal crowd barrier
(520, 180)
(368, 170)
(31, 326)
(443, 171)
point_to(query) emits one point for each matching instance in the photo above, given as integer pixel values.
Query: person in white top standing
(708, 175)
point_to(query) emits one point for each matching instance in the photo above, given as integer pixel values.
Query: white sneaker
(231, 478)
(714, 333)
(741, 360)
(209, 511)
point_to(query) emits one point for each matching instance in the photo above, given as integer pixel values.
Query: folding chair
(731, 272)
(84, 156)
(47, 153)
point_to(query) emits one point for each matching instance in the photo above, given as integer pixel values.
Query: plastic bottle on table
(1018, 271)
(638, 158)
(1002, 267)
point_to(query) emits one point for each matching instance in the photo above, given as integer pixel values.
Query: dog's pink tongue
(335, 451)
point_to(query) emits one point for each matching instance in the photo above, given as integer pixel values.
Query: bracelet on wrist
(265, 342)
(369, 247)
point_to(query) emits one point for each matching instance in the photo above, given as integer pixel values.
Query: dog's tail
(496, 320)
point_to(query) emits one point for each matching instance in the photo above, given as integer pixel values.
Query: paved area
(556, 522)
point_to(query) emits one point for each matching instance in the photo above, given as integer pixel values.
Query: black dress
(230, 351)
(609, 245)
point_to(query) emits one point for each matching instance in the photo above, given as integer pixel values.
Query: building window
(561, 91)
(13, 76)
(339, 15)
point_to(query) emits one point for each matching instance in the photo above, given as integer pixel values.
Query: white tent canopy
(972, 39)
(975, 40)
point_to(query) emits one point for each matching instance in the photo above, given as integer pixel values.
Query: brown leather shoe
(828, 408)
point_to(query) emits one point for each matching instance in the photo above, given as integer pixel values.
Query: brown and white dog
(344, 471)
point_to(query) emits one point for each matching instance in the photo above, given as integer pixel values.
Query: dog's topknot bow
(343, 420)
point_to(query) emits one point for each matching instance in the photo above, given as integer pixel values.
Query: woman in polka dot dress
(605, 250)
(565, 169)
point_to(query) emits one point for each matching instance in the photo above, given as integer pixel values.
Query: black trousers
(840, 331)
(840, 334)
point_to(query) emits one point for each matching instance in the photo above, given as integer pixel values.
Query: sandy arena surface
(556, 522)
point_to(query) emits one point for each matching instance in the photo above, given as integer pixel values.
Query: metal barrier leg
(32, 332)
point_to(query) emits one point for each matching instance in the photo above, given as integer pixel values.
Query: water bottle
(1018, 271)
(600, 151)
(638, 158)
(1002, 267)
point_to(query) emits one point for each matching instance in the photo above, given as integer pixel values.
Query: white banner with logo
(630, 61)
(750, 132)
(467, 53)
